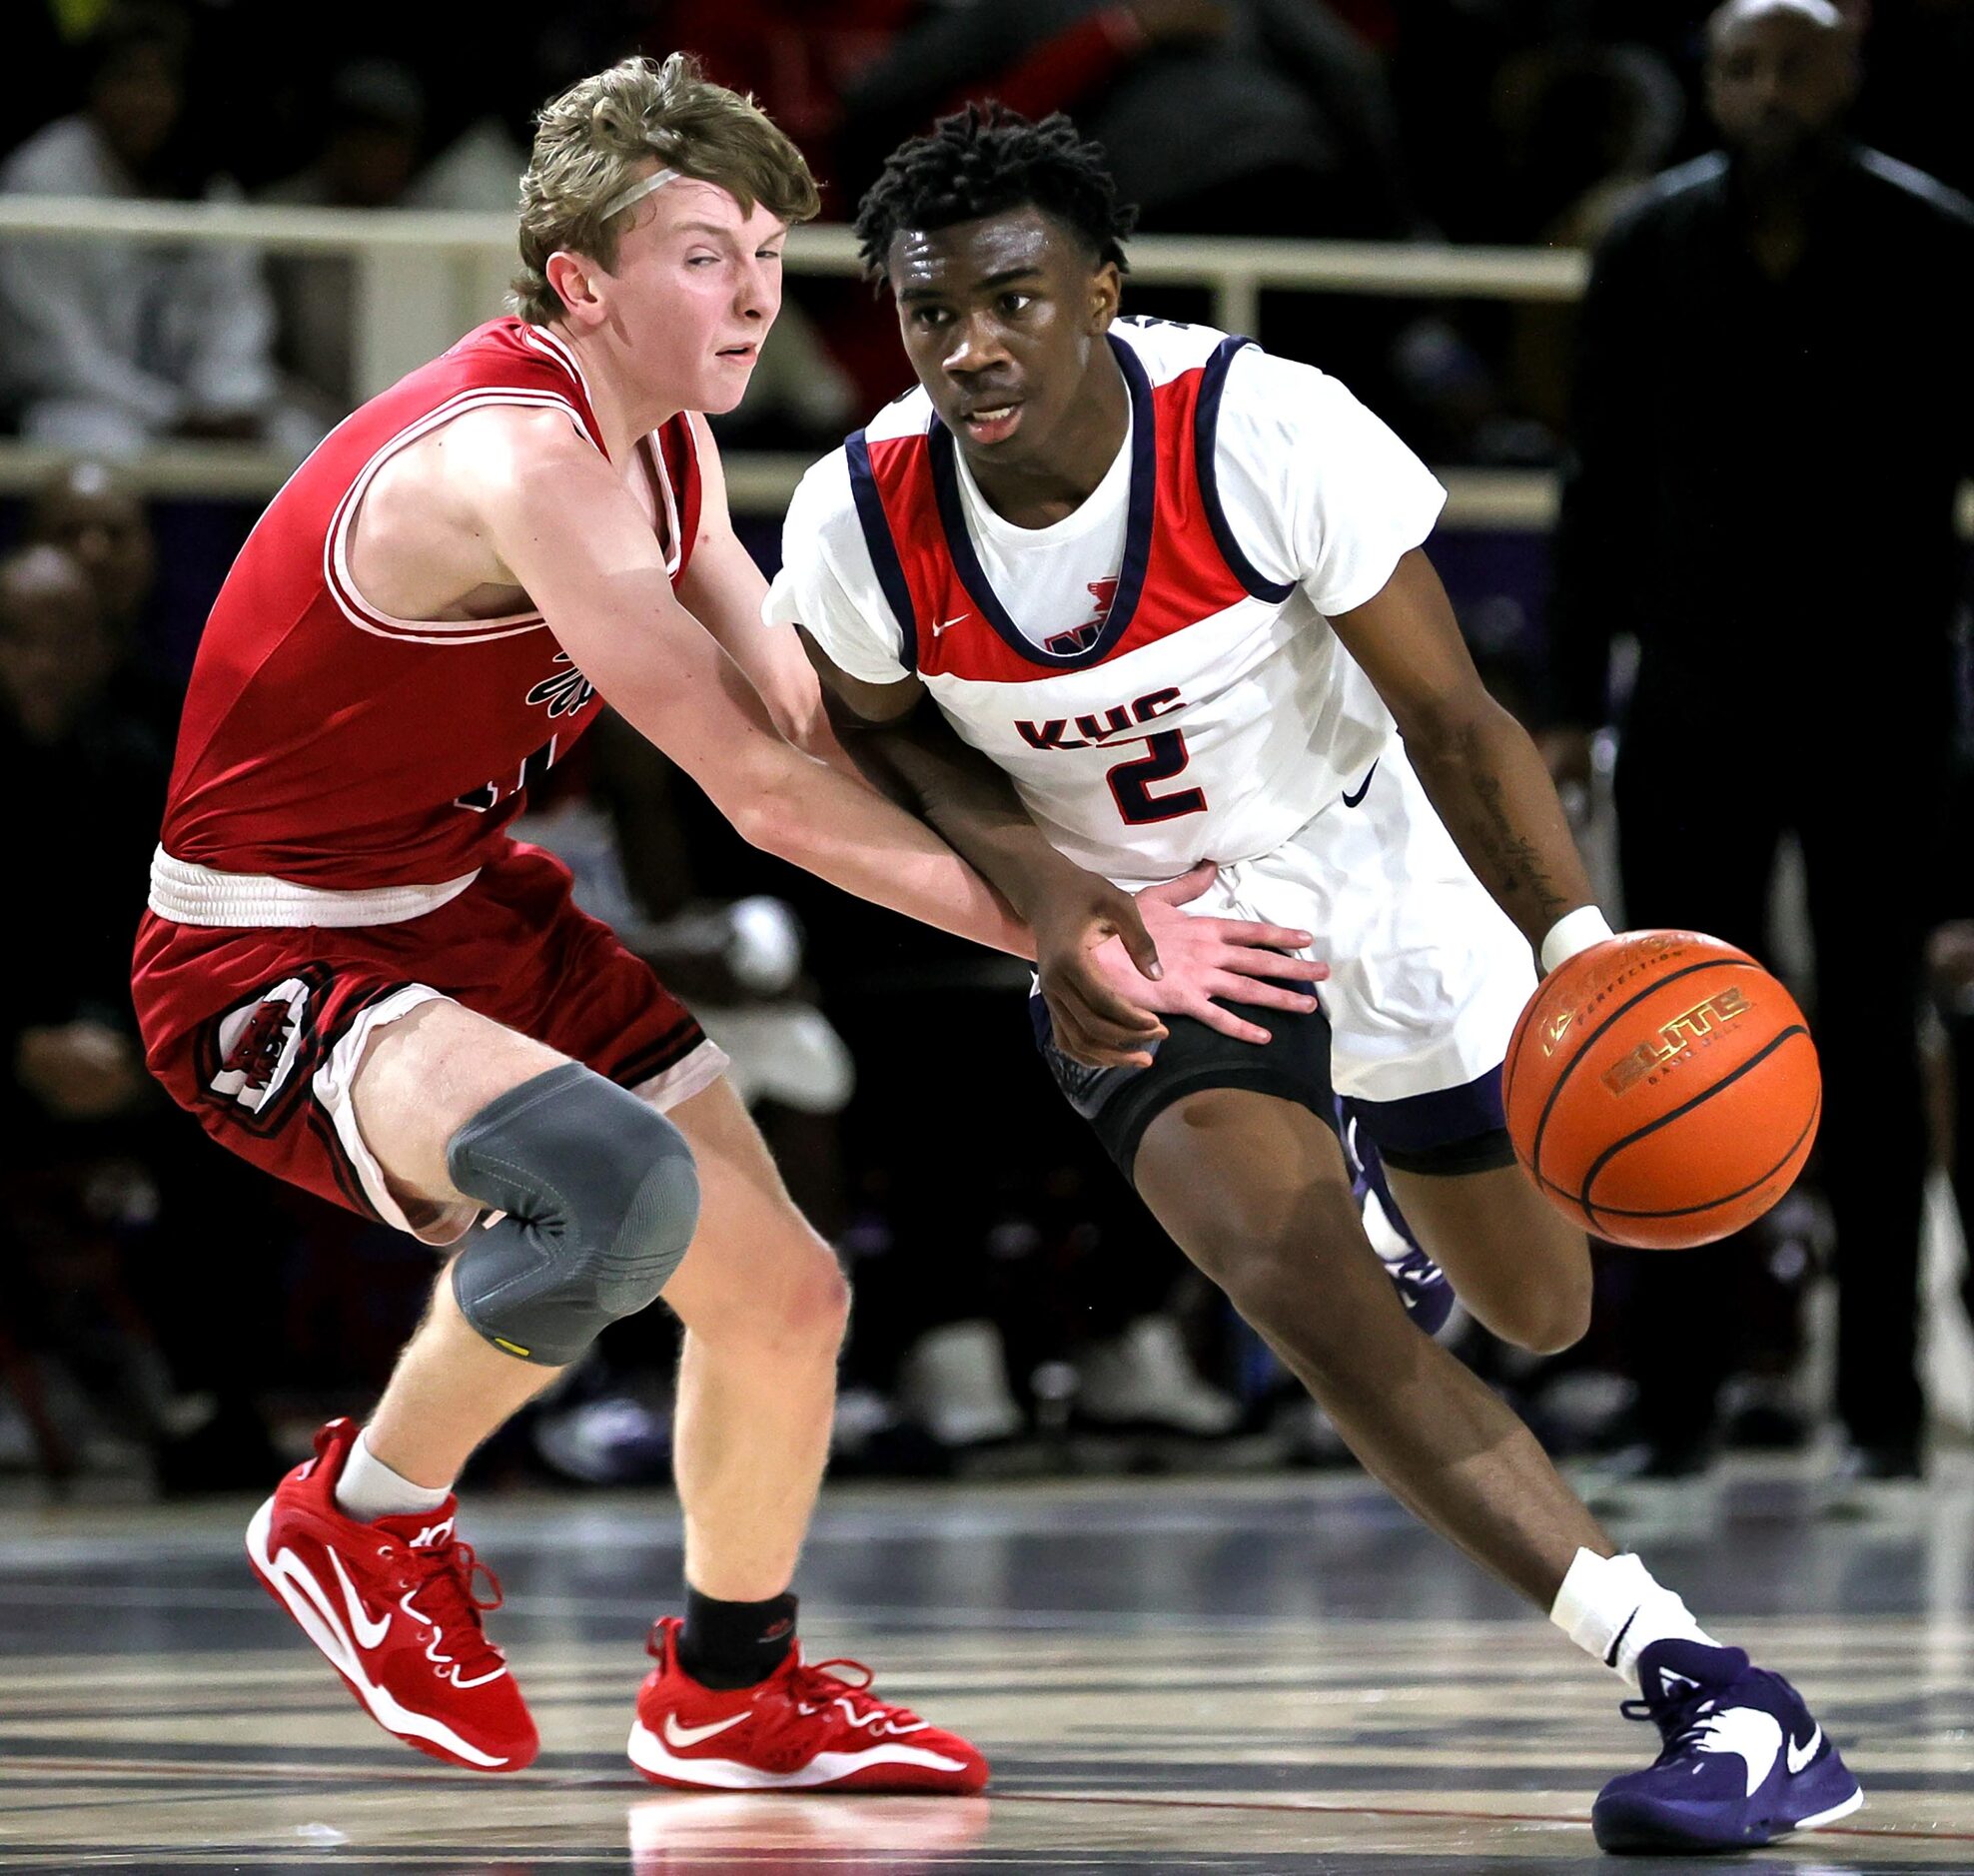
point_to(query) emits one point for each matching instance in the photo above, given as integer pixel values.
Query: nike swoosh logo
(367, 1632)
(1756, 1736)
(1800, 1755)
(678, 1735)
(958, 619)
(1350, 801)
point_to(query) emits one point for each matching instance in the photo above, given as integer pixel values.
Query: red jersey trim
(657, 477)
(690, 478)
(335, 546)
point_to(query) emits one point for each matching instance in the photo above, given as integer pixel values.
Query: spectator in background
(107, 1194)
(1244, 117)
(113, 344)
(83, 785)
(1774, 408)
(1583, 129)
(92, 511)
(369, 155)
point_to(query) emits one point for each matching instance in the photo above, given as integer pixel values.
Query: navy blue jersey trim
(883, 548)
(1206, 424)
(1137, 530)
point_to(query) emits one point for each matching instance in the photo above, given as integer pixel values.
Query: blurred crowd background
(168, 1319)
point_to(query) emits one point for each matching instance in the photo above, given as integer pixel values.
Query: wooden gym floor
(1279, 1676)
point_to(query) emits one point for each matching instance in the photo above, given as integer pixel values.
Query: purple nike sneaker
(1744, 1761)
(1422, 1284)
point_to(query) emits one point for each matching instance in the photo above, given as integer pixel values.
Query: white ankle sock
(370, 1489)
(1611, 1607)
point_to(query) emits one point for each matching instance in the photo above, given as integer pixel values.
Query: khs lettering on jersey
(1166, 756)
(1053, 732)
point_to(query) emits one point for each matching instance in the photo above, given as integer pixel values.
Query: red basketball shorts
(259, 1031)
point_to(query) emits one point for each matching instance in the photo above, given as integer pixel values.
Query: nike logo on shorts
(1350, 801)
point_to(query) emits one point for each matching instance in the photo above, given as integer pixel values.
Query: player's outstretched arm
(723, 589)
(1096, 947)
(569, 534)
(1479, 766)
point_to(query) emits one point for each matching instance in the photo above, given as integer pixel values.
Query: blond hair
(590, 144)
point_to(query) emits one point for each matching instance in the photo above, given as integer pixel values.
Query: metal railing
(423, 278)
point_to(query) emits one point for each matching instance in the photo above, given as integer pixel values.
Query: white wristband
(1573, 932)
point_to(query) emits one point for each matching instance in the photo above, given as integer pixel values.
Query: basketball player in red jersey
(356, 980)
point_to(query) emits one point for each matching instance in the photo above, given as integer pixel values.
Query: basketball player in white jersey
(1174, 588)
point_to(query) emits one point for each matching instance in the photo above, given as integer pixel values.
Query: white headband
(627, 198)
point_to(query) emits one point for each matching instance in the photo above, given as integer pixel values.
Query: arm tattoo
(1520, 869)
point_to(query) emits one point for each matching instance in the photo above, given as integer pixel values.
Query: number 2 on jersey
(1165, 756)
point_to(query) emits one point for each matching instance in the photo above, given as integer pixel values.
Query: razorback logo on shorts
(259, 1053)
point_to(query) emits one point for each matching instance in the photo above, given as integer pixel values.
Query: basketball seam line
(1727, 1197)
(1623, 1009)
(1753, 1062)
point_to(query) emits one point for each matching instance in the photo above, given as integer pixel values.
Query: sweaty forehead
(951, 259)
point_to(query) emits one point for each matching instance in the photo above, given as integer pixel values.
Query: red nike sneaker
(392, 1605)
(803, 1729)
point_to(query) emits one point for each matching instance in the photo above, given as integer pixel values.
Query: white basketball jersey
(1156, 671)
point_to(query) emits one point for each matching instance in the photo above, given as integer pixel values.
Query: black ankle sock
(735, 1644)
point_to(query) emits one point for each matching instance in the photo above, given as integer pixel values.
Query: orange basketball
(1661, 1089)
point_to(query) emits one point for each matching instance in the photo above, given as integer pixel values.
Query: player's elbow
(1452, 730)
(766, 814)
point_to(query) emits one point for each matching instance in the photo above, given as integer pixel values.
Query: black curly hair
(984, 160)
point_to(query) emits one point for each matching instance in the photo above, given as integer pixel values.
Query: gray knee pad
(602, 1200)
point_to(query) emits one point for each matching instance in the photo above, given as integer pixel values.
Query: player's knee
(818, 1311)
(1530, 1281)
(793, 1308)
(602, 1201)
(1545, 1321)
(1275, 1279)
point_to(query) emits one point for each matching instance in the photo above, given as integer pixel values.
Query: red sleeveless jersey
(328, 743)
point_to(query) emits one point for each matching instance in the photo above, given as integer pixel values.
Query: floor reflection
(786, 1834)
